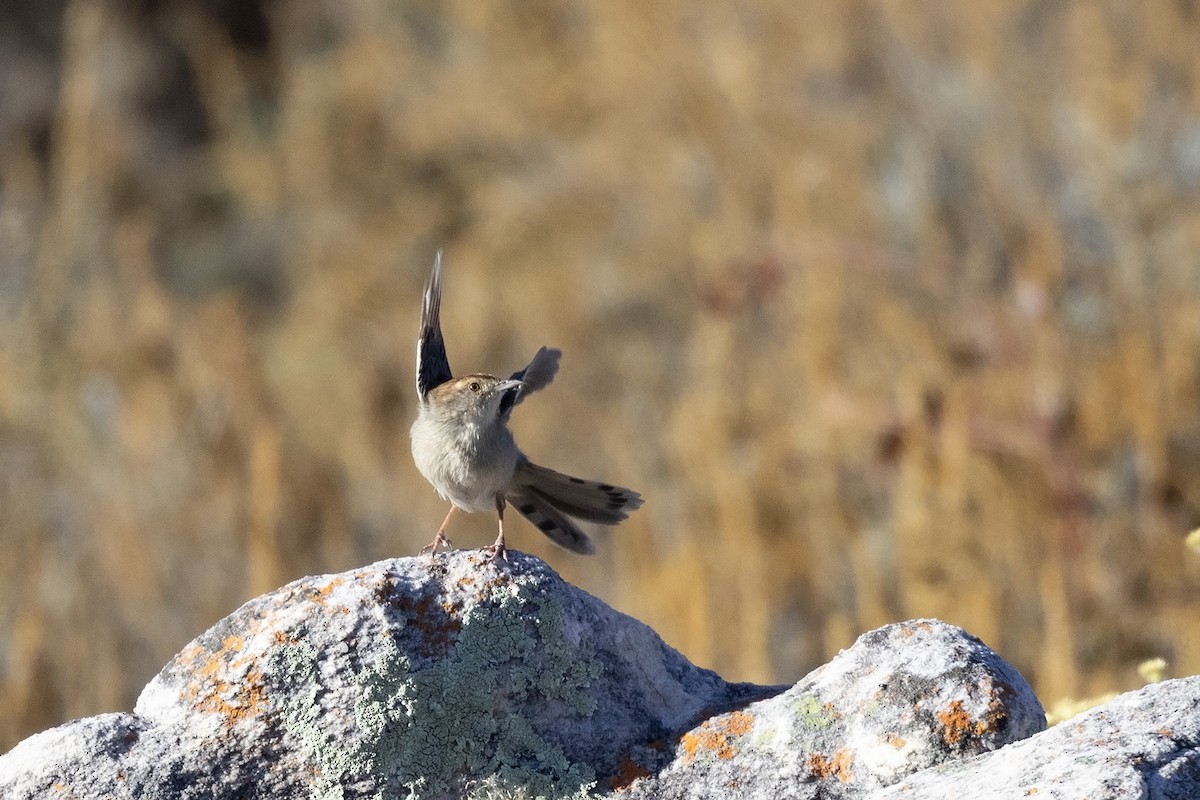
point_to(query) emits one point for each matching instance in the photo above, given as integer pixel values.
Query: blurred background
(889, 309)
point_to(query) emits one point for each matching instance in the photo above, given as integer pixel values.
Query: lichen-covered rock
(421, 677)
(903, 698)
(1144, 744)
(447, 677)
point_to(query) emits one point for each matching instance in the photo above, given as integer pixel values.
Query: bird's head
(475, 398)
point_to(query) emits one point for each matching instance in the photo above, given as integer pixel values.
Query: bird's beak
(504, 386)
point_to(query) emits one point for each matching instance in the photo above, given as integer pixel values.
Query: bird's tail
(548, 499)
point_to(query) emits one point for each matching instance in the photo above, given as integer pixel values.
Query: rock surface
(414, 677)
(1144, 744)
(903, 698)
(448, 677)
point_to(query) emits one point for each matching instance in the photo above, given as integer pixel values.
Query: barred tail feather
(591, 501)
(549, 521)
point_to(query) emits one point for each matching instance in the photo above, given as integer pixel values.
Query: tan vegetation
(889, 309)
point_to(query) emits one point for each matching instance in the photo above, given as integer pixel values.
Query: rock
(903, 698)
(1144, 744)
(448, 677)
(430, 677)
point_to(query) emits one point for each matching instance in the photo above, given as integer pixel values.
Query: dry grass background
(889, 309)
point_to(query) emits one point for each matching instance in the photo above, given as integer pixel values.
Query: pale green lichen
(812, 713)
(492, 789)
(295, 669)
(432, 729)
(765, 736)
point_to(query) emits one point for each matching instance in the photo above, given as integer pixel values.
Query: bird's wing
(433, 368)
(539, 372)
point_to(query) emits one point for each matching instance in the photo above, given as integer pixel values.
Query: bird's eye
(474, 386)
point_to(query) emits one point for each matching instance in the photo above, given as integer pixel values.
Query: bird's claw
(439, 541)
(496, 552)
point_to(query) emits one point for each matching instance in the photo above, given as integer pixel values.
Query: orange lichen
(895, 741)
(627, 772)
(957, 723)
(212, 691)
(715, 735)
(437, 623)
(823, 767)
(911, 629)
(320, 594)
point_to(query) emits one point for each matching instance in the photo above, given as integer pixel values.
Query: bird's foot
(438, 541)
(496, 552)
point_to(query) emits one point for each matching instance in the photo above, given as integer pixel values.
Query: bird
(462, 445)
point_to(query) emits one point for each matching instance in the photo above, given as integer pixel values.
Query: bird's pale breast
(463, 467)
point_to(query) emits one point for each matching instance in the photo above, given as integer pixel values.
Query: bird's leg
(498, 550)
(440, 540)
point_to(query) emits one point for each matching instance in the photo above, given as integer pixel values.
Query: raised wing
(433, 368)
(537, 375)
(540, 371)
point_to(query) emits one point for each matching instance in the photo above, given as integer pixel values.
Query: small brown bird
(462, 445)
